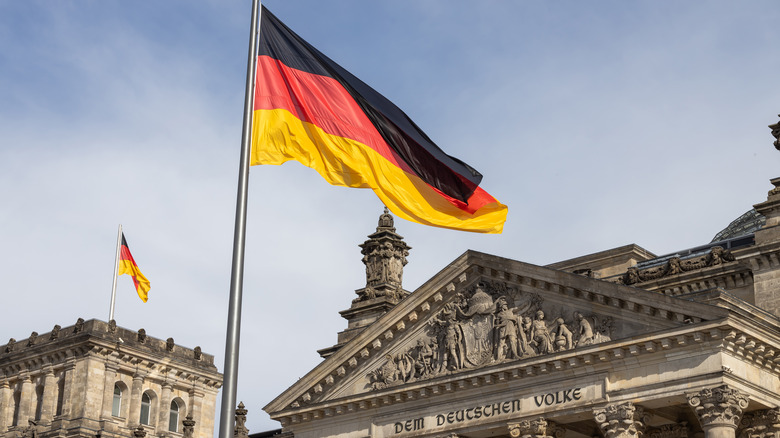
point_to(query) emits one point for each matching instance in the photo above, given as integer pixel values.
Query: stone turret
(384, 254)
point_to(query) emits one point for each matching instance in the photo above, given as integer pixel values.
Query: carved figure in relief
(674, 266)
(507, 326)
(422, 355)
(563, 336)
(585, 331)
(453, 337)
(540, 334)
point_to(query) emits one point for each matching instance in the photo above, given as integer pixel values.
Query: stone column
(50, 389)
(719, 410)
(760, 424)
(134, 413)
(621, 420)
(108, 391)
(6, 406)
(25, 401)
(536, 428)
(165, 407)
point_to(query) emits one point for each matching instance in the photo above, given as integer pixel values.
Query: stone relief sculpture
(490, 323)
(677, 265)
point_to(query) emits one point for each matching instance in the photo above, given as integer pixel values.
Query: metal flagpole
(228, 410)
(116, 269)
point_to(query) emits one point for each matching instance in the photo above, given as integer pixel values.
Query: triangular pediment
(480, 313)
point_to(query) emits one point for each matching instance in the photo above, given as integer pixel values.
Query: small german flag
(309, 109)
(127, 265)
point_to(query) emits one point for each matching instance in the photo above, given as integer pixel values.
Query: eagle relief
(487, 324)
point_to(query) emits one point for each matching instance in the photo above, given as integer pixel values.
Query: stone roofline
(100, 332)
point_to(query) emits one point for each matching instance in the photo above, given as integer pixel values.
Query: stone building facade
(618, 344)
(96, 379)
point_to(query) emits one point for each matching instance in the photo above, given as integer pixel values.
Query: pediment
(483, 312)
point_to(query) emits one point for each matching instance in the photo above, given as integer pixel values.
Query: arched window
(116, 407)
(146, 407)
(173, 421)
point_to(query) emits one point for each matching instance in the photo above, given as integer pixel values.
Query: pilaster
(165, 407)
(108, 392)
(25, 400)
(6, 405)
(50, 389)
(134, 413)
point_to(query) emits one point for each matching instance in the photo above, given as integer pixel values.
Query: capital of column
(678, 430)
(623, 420)
(718, 407)
(535, 428)
(760, 424)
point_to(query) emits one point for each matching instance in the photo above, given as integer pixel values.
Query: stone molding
(718, 407)
(623, 420)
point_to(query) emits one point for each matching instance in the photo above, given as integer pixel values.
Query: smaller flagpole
(116, 269)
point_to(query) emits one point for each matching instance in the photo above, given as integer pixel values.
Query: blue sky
(598, 123)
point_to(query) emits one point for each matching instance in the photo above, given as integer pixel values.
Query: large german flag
(127, 265)
(308, 108)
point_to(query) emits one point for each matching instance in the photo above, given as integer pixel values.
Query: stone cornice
(595, 359)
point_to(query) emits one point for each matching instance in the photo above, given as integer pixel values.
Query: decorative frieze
(718, 407)
(489, 323)
(677, 430)
(677, 265)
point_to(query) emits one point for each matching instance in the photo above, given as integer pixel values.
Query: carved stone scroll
(718, 407)
(621, 420)
(760, 424)
(536, 428)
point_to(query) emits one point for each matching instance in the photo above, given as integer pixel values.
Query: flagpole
(230, 383)
(116, 269)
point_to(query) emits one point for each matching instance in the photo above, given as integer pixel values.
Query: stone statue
(141, 336)
(540, 334)
(55, 332)
(507, 326)
(169, 344)
(586, 336)
(79, 326)
(31, 431)
(10, 346)
(563, 336)
(32, 339)
(198, 353)
(776, 133)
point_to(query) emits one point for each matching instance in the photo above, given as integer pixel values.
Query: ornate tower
(384, 254)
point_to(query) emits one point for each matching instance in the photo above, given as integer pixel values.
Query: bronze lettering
(468, 415)
(478, 412)
(440, 420)
(459, 416)
(549, 399)
(577, 394)
(399, 427)
(539, 399)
